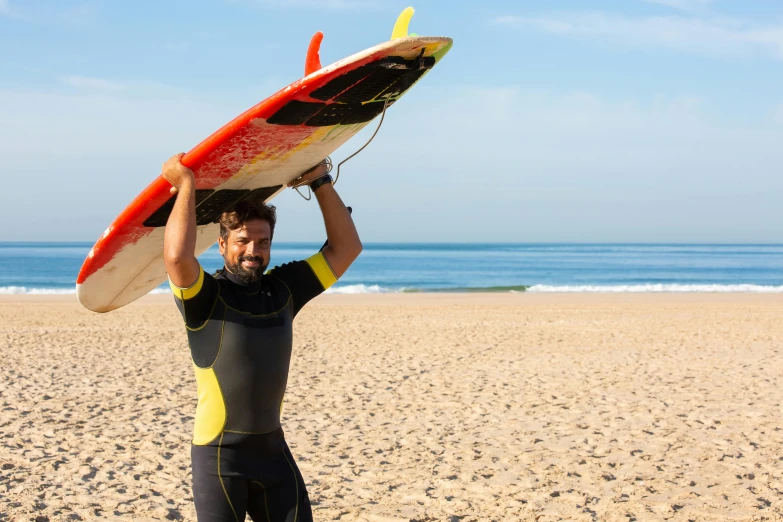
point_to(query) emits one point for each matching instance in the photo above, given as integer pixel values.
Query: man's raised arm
(343, 243)
(179, 240)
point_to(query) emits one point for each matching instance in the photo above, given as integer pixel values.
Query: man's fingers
(174, 171)
(309, 175)
(174, 160)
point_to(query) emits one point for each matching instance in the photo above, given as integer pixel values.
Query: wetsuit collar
(238, 281)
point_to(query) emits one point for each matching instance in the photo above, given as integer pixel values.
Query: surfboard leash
(383, 115)
(328, 161)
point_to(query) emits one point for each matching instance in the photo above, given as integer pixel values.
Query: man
(239, 325)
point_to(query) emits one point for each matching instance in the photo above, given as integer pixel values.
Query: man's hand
(319, 171)
(176, 173)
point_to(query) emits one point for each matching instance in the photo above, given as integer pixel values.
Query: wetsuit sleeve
(196, 302)
(305, 279)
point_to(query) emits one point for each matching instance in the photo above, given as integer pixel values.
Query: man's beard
(247, 275)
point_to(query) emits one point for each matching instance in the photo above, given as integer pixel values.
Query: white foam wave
(376, 289)
(359, 289)
(659, 288)
(23, 290)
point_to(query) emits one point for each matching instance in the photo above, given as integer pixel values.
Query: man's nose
(253, 248)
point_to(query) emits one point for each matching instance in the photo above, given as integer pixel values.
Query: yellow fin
(403, 21)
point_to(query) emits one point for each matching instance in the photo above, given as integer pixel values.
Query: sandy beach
(418, 407)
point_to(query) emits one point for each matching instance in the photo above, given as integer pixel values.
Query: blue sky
(610, 120)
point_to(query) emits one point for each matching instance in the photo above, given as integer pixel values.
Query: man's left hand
(313, 174)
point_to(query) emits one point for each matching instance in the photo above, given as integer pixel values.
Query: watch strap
(323, 180)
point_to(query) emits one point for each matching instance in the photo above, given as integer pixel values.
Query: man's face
(246, 250)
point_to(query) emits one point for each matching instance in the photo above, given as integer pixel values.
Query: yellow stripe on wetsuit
(190, 292)
(211, 409)
(322, 270)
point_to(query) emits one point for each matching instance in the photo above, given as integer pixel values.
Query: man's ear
(222, 245)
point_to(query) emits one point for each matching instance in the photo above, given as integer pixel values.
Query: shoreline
(519, 298)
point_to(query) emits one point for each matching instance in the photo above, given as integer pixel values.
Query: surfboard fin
(402, 23)
(313, 60)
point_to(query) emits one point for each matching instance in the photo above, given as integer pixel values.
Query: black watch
(323, 180)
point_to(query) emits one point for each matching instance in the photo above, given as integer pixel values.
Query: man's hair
(245, 211)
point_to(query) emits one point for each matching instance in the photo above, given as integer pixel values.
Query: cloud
(684, 5)
(714, 36)
(7, 10)
(460, 164)
(91, 150)
(74, 16)
(314, 4)
(506, 164)
(79, 15)
(93, 84)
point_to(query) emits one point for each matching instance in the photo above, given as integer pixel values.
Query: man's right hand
(176, 173)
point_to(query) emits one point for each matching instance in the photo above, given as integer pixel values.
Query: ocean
(51, 268)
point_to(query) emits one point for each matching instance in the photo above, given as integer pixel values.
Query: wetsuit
(240, 340)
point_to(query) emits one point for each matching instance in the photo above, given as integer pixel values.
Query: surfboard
(255, 155)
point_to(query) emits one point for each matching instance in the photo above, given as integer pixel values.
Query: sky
(548, 121)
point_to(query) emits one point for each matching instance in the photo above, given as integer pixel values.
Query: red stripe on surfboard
(214, 161)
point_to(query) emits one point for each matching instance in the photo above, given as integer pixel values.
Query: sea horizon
(389, 267)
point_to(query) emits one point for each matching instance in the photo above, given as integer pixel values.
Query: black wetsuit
(240, 340)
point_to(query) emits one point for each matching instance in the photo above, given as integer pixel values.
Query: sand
(417, 408)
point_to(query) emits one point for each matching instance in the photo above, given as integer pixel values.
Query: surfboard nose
(84, 300)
